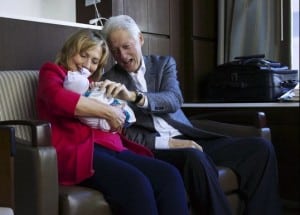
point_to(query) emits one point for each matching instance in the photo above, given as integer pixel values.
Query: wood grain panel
(204, 18)
(159, 16)
(27, 44)
(204, 55)
(138, 10)
(156, 45)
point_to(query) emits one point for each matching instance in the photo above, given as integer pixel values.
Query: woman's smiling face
(88, 59)
(126, 50)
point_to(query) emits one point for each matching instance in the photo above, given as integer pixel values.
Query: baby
(77, 81)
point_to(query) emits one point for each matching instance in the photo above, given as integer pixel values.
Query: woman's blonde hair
(80, 42)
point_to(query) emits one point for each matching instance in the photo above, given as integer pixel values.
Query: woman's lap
(127, 178)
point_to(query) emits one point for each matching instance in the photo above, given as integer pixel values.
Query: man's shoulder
(161, 58)
(159, 61)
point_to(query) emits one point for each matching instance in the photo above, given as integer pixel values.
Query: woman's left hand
(117, 119)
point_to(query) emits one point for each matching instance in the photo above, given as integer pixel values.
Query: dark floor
(291, 212)
(291, 208)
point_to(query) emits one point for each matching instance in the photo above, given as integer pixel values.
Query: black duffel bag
(250, 79)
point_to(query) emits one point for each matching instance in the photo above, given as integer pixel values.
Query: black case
(250, 79)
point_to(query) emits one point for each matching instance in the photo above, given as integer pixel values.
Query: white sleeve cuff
(162, 142)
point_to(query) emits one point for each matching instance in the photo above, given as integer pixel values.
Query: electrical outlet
(91, 2)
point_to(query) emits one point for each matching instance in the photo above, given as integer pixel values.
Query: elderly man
(150, 85)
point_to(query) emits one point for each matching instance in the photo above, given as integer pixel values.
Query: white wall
(64, 10)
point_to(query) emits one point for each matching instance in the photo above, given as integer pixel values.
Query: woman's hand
(179, 143)
(117, 118)
(90, 107)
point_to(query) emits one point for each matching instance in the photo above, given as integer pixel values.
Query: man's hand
(117, 90)
(179, 143)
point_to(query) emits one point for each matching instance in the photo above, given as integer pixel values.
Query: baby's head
(77, 81)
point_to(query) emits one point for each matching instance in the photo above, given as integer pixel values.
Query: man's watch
(138, 97)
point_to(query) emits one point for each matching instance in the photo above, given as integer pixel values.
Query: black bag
(250, 79)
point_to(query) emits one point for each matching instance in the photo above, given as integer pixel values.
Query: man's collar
(141, 70)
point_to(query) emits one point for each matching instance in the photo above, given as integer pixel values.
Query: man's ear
(141, 38)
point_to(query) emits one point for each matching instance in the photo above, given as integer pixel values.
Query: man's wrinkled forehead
(119, 37)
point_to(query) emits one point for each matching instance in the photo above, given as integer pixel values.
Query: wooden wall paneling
(157, 45)
(21, 38)
(151, 15)
(138, 10)
(188, 58)
(201, 44)
(204, 54)
(145, 47)
(177, 46)
(159, 16)
(204, 18)
(117, 7)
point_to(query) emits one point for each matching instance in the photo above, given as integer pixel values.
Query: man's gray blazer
(164, 97)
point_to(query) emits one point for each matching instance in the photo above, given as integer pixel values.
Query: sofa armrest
(234, 123)
(36, 174)
(40, 130)
(7, 153)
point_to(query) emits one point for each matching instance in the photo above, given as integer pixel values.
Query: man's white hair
(121, 22)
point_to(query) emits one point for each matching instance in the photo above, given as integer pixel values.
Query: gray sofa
(36, 188)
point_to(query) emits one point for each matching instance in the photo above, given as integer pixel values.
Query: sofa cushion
(75, 200)
(17, 95)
